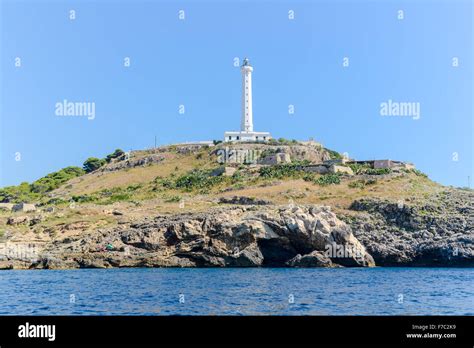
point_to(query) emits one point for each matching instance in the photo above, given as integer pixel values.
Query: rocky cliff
(303, 236)
(436, 233)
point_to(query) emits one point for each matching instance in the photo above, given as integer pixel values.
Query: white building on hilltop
(246, 126)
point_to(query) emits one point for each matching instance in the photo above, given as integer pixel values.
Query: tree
(116, 154)
(93, 163)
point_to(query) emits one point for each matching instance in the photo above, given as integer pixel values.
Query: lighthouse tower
(247, 117)
(246, 125)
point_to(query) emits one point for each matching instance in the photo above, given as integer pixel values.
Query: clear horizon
(335, 62)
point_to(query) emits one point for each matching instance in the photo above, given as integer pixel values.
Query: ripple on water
(239, 291)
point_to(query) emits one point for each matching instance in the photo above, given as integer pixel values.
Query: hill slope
(167, 207)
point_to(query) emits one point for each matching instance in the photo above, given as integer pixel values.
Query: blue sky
(190, 62)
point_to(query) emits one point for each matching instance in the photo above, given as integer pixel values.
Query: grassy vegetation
(108, 196)
(362, 183)
(378, 171)
(194, 173)
(92, 163)
(419, 173)
(26, 192)
(282, 141)
(196, 179)
(280, 171)
(333, 154)
(358, 168)
(324, 180)
(173, 199)
(366, 169)
(36, 191)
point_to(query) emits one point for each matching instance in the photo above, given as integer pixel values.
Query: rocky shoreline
(432, 234)
(372, 233)
(226, 237)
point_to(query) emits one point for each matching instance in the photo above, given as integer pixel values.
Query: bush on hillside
(93, 163)
(26, 192)
(281, 171)
(116, 154)
(324, 180)
(56, 179)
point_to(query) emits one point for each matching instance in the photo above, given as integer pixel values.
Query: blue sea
(248, 291)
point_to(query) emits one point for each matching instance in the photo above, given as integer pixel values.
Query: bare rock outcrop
(438, 233)
(244, 236)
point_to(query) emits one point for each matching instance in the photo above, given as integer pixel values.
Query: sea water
(238, 291)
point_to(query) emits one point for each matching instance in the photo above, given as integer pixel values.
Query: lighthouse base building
(246, 132)
(247, 136)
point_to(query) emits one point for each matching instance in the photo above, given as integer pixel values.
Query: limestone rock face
(244, 236)
(340, 169)
(132, 163)
(440, 233)
(270, 154)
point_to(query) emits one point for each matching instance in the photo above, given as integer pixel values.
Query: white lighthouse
(246, 125)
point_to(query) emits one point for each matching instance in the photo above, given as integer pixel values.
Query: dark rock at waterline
(438, 233)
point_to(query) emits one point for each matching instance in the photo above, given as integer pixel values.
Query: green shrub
(367, 169)
(93, 163)
(173, 199)
(236, 177)
(55, 179)
(283, 141)
(328, 179)
(362, 183)
(56, 201)
(83, 198)
(359, 168)
(419, 173)
(118, 197)
(333, 154)
(197, 179)
(324, 180)
(134, 187)
(26, 192)
(281, 171)
(377, 171)
(118, 153)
